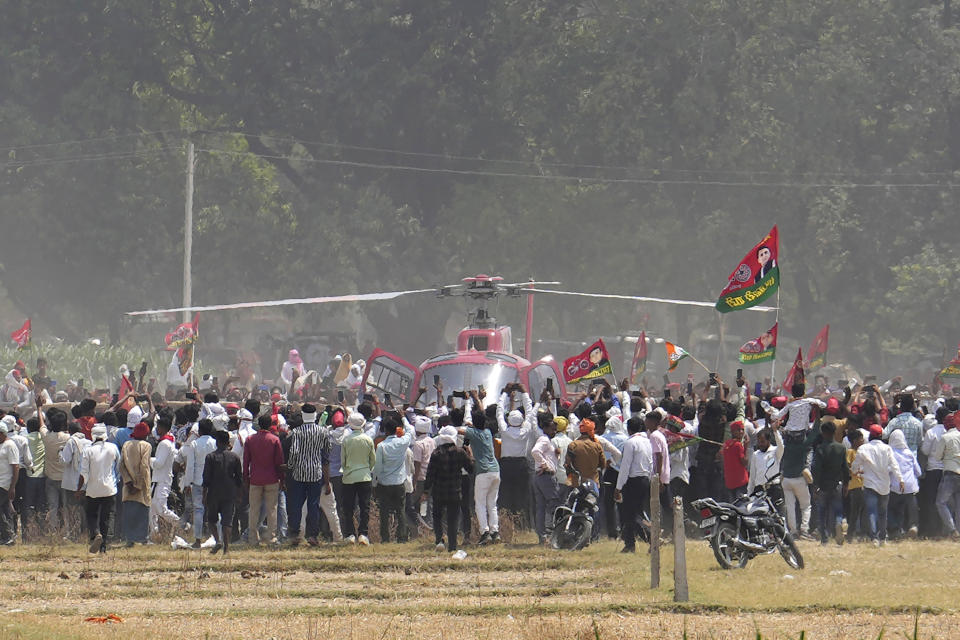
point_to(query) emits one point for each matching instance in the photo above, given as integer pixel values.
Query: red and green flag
(592, 363)
(755, 279)
(761, 349)
(795, 374)
(952, 370)
(818, 350)
(674, 355)
(639, 365)
(22, 335)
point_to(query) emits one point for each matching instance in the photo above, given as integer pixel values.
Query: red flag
(185, 334)
(639, 365)
(755, 278)
(22, 335)
(592, 363)
(818, 350)
(795, 374)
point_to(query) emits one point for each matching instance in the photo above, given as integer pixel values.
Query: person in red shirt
(735, 473)
(263, 479)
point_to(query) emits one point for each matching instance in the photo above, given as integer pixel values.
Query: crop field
(502, 592)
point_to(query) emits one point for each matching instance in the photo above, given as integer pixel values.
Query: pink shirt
(658, 442)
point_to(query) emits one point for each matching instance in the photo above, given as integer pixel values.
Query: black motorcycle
(573, 520)
(749, 527)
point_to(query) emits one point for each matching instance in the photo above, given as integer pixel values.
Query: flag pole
(699, 363)
(773, 363)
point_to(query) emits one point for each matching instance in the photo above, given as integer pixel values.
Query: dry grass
(509, 591)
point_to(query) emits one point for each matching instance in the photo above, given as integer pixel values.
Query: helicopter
(484, 351)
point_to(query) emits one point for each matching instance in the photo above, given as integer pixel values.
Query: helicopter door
(536, 375)
(386, 373)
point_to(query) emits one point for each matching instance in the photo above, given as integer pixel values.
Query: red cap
(20, 365)
(337, 420)
(779, 402)
(950, 421)
(141, 431)
(736, 425)
(833, 407)
(876, 431)
(276, 397)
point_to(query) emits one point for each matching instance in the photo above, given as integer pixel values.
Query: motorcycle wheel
(790, 553)
(726, 552)
(577, 536)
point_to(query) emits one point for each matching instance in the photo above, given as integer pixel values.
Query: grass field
(497, 593)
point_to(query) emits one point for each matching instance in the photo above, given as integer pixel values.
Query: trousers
(159, 509)
(356, 497)
(451, 510)
(265, 496)
(390, 502)
(948, 500)
(796, 491)
(636, 501)
(546, 498)
(876, 505)
(486, 488)
(98, 512)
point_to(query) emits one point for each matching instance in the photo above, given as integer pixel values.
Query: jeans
(413, 508)
(450, 509)
(608, 506)
(486, 487)
(311, 493)
(34, 500)
(856, 516)
(196, 495)
(265, 496)
(795, 490)
(876, 505)
(356, 495)
(7, 516)
(546, 498)
(829, 510)
(904, 512)
(948, 499)
(98, 511)
(466, 499)
(390, 502)
(636, 502)
(56, 506)
(282, 514)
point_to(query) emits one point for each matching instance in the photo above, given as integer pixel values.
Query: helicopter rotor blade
(356, 297)
(610, 296)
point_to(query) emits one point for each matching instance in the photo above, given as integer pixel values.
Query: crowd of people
(851, 464)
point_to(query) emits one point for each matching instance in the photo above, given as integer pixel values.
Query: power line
(591, 179)
(445, 156)
(114, 155)
(118, 136)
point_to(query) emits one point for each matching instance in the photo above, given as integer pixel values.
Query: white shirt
(545, 455)
(9, 456)
(561, 441)
(680, 460)
(515, 442)
(71, 455)
(909, 471)
(876, 464)
(930, 439)
(766, 464)
(98, 467)
(162, 464)
(243, 432)
(799, 410)
(195, 456)
(637, 459)
(23, 448)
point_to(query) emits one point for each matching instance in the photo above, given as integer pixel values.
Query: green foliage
(821, 116)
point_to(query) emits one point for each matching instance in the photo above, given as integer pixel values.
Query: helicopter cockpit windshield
(457, 376)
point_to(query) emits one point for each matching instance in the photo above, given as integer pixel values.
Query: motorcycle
(573, 520)
(748, 527)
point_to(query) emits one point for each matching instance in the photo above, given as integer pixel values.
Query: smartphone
(713, 378)
(115, 398)
(436, 380)
(386, 398)
(739, 373)
(80, 383)
(480, 388)
(459, 394)
(143, 398)
(758, 389)
(368, 397)
(550, 385)
(666, 393)
(340, 396)
(190, 395)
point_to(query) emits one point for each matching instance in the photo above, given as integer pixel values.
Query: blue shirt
(481, 444)
(616, 439)
(390, 468)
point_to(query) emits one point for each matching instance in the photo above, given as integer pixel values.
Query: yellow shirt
(856, 482)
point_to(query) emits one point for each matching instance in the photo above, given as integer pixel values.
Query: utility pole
(188, 236)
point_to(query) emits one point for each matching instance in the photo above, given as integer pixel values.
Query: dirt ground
(507, 591)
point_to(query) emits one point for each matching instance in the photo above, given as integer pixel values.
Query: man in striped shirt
(309, 466)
